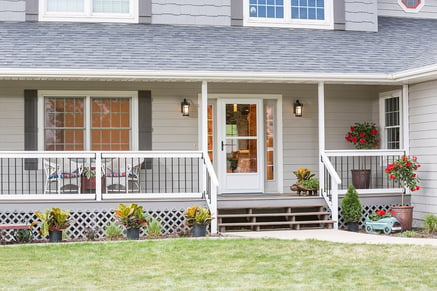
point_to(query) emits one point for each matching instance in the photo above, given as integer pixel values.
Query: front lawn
(237, 264)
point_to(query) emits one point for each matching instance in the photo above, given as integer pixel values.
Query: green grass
(220, 264)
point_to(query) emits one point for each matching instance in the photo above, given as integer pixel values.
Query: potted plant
(88, 180)
(351, 209)
(363, 136)
(382, 220)
(306, 182)
(132, 217)
(199, 217)
(53, 222)
(403, 171)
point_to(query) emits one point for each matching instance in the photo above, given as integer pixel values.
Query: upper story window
(289, 13)
(89, 10)
(411, 5)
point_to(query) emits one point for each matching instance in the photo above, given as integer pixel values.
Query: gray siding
(392, 8)
(423, 144)
(361, 15)
(11, 119)
(191, 12)
(12, 10)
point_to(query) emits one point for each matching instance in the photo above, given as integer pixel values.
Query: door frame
(279, 180)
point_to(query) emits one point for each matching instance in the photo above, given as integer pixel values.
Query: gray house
(181, 102)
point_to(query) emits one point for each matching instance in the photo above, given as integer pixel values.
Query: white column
(204, 119)
(405, 120)
(321, 123)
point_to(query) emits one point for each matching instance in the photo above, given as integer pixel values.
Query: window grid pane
(111, 6)
(64, 124)
(266, 8)
(210, 133)
(65, 5)
(392, 123)
(270, 135)
(110, 124)
(308, 9)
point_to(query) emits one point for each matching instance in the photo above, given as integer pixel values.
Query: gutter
(402, 77)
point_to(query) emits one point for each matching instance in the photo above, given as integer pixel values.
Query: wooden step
(297, 224)
(271, 214)
(274, 207)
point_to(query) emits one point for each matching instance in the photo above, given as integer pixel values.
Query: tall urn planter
(405, 216)
(361, 178)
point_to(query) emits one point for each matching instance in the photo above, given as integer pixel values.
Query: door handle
(225, 144)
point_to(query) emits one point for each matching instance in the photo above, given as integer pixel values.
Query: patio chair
(62, 176)
(122, 175)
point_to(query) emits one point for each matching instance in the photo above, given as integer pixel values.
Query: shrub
(351, 205)
(154, 228)
(312, 183)
(113, 231)
(430, 222)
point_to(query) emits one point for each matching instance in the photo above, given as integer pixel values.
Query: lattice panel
(367, 209)
(172, 222)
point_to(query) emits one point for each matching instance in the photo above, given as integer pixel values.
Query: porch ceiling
(401, 50)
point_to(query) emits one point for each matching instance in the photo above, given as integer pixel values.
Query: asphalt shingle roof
(400, 44)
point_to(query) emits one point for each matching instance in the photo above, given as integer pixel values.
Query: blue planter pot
(199, 230)
(133, 233)
(55, 236)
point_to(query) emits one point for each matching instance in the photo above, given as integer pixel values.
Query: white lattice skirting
(172, 222)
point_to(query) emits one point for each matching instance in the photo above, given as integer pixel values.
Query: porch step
(268, 218)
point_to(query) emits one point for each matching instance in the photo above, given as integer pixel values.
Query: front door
(240, 147)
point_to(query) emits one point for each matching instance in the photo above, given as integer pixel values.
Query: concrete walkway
(332, 235)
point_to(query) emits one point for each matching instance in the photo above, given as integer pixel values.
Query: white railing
(376, 161)
(125, 175)
(329, 181)
(211, 192)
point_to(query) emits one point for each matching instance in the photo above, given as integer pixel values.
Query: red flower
(408, 164)
(352, 128)
(391, 211)
(414, 158)
(362, 134)
(354, 139)
(414, 175)
(417, 188)
(348, 138)
(362, 140)
(374, 132)
(392, 177)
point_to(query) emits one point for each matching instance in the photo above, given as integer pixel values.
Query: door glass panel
(240, 120)
(241, 155)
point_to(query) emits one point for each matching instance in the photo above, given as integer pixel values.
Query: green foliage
(53, 219)
(409, 233)
(23, 235)
(430, 222)
(113, 231)
(154, 228)
(303, 174)
(131, 216)
(351, 205)
(312, 183)
(198, 215)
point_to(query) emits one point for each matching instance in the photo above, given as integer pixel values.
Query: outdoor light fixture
(185, 108)
(297, 108)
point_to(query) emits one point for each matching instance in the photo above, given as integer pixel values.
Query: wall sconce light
(297, 108)
(185, 108)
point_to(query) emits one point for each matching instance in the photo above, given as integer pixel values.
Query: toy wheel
(369, 228)
(387, 230)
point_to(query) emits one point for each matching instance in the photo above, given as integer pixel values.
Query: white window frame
(88, 15)
(88, 95)
(287, 21)
(411, 10)
(382, 97)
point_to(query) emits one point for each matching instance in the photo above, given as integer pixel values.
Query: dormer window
(89, 10)
(289, 13)
(411, 5)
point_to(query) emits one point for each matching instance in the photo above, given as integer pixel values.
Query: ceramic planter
(405, 216)
(199, 230)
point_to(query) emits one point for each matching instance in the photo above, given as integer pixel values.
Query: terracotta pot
(361, 179)
(405, 216)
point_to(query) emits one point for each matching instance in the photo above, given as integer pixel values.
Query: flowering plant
(380, 214)
(363, 135)
(403, 171)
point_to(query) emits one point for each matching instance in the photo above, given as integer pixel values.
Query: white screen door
(240, 145)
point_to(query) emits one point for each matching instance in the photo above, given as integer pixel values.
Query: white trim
(287, 21)
(48, 197)
(382, 97)
(381, 191)
(405, 119)
(364, 153)
(146, 196)
(132, 95)
(411, 10)
(88, 15)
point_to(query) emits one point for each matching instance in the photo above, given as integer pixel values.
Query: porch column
(321, 123)
(405, 120)
(204, 119)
